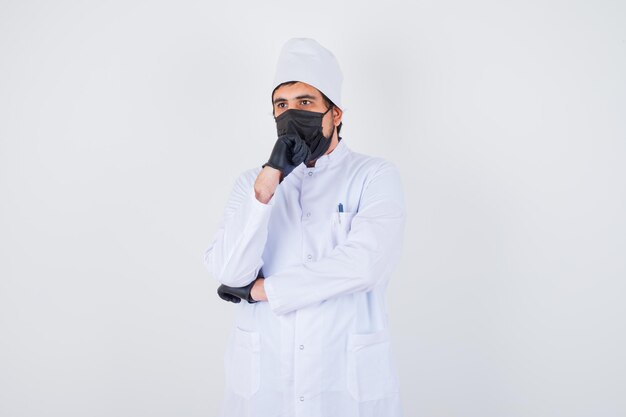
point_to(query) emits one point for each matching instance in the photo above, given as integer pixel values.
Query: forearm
(235, 255)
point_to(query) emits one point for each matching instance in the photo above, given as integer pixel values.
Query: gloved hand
(289, 152)
(236, 294)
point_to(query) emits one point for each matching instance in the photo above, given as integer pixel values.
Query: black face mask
(308, 126)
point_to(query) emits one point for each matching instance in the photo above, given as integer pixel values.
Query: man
(306, 248)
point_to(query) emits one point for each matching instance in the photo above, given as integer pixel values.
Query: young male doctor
(309, 242)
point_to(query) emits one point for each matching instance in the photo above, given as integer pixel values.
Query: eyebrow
(307, 96)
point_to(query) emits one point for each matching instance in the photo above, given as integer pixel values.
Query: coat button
(301, 398)
(301, 347)
(310, 173)
(308, 214)
(309, 256)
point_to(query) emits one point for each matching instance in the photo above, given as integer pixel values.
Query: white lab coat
(320, 346)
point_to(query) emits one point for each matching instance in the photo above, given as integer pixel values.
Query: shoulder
(382, 188)
(374, 167)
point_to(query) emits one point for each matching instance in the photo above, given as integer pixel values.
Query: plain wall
(124, 124)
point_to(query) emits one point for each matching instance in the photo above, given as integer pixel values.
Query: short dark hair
(328, 102)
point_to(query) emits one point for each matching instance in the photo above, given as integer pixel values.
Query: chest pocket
(340, 224)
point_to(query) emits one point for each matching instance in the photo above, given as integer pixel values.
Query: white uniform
(320, 346)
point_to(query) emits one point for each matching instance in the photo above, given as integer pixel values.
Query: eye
(280, 105)
(303, 101)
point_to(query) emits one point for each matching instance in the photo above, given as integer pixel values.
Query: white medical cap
(305, 60)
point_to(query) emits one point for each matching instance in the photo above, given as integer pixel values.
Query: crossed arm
(366, 258)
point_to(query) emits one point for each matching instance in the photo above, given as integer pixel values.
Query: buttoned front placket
(308, 344)
(302, 361)
(307, 349)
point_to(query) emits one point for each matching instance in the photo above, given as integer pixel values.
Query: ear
(337, 115)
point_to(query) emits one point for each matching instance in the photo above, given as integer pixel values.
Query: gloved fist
(236, 294)
(289, 152)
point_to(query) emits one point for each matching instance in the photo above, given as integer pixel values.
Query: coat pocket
(340, 223)
(243, 363)
(371, 370)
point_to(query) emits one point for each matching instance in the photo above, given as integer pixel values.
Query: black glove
(289, 152)
(236, 294)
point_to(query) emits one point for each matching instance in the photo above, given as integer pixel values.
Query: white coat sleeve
(367, 257)
(234, 257)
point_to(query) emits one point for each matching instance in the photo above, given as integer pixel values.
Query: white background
(124, 124)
